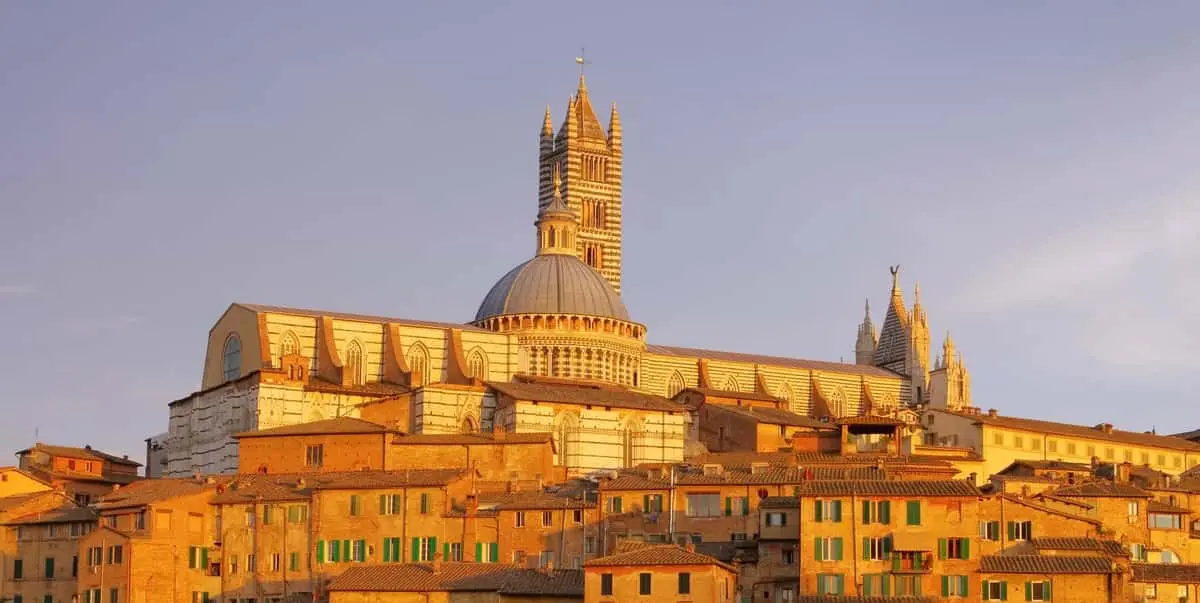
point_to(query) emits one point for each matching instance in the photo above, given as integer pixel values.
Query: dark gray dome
(553, 284)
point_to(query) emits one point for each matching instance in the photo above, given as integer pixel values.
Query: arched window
(468, 425)
(837, 402)
(289, 345)
(477, 364)
(675, 385)
(731, 384)
(418, 363)
(354, 363)
(231, 358)
(565, 430)
(784, 393)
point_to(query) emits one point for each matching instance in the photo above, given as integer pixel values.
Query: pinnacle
(547, 123)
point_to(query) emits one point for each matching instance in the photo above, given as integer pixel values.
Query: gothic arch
(289, 344)
(566, 438)
(231, 358)
(731, 384)
(354, 365)
(837, 402)
(675, 384)
(418, 362)
(477, 364)
(784, 392)
(631, 431)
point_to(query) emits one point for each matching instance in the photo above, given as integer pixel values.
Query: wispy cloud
(17, 290)
(1071, 263)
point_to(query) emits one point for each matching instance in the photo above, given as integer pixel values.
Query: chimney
(300, 483)
(116, 487)
(1104, 427)
(87, 446)
(971, 477)
(1121, 473)
(690, 546)
(1095, 463)
(437, 563)
(991, 412)
(549, 567)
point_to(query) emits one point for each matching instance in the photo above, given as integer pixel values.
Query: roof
(732, 394)
(373, 388)
(1157, 506)
(951, 487)
(869, 420)
(148, 491)
(530, 500)
(733, 459)
(860, 599)
(771, 416)
(1048, 465)
(779, 502)
(653, 554)
(1043, 508)
(336, 426)
(481, 438)
(552, 284)
(265, 309)
(1081, 431)
(1102, 489)
(29, 474)
(798, 363)
(64, 514)
(87, 452)
(595, 394)
(1045, 564)
(299, 486)
(1180, 573)
(691, 475)
(8, 503)
(1108, 547)
(459, 576)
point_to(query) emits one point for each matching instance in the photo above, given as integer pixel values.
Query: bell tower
(588, 158)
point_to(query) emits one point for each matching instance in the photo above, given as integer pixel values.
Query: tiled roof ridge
(769, 360)
(1032, 505)
(1081, 431)
(350, 316)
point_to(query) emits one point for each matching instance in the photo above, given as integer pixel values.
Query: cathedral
(551, 349)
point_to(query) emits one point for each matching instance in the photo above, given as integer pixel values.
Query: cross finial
(582, 61)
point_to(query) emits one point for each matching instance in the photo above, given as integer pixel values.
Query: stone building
(642, 572)
(84, 473)
(552, 348)
(452, 582)
(39, 541)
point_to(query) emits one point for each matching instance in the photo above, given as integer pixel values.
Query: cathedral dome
(553, 284)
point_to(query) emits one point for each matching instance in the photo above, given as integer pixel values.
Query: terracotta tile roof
(9, 503)
(148, 491)
(810, 459)
(952, 487)
(779, 502)
(65, 514)
(782, 361)
(1157, 506)
(771, 416)
(635, 479)
(1101, 489)
(653, 554)
(869, 420)
(30, 474)
(1082, 431)
(1043, 508)
(861, 599)
(421, 577)
(1178, 573)
(1065, 501)
(731, 394)
(265, 309)
(530, 500)
(336, 426)
(299, 486)
(1045, 564)
(86, 452)
(1045, 465)
(374, 388)
(481, 438)
(544, 583)
(1108, 547)
(598, 395)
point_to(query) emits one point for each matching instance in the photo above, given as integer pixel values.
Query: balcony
(906, 562)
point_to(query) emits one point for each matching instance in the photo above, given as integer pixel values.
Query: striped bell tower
(589, 161)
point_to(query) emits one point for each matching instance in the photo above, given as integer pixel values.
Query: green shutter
(817, 550)
(433, 548)
(728, 506)
(335, 551)
(885, 585)
(362, 549)
(895, 562)
(945, 586)
(986, 592)
(495, 551)
(416, 549)
(478, 552)
(837, 511)
(353, 504)
(1012, 530)
(817, 511)
(387, 550)
(346, 556)
(887, 545)
(963, 586)
(914, 512)
(965, 547)
(191, 557)
(868, 587)
(321, 552)
(841, 584)
(885, 512)
(1028, 590)
(646, 503)
(1048, 595)
(445, 551)
(837, 549)
(1004, 590)
(204, 558)
(745, 505)
(866, 512)
(942, 546)
(424, 502)
(383, 504)
(866, 550)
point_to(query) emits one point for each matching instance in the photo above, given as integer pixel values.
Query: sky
(1032, 165)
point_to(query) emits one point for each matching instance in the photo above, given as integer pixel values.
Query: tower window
(592, 256)
(594, 214)
(231, 358)
(595, 168)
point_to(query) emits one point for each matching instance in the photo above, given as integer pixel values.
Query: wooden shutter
(416, 549)
(728, 506)
(817, 553)
(495, 551)
(745, 505)
(866, 512)
(885, 511)
(837, 549)
(817, 511)
(942, 548)
(837, 511)
(964, 546)
(321, 552)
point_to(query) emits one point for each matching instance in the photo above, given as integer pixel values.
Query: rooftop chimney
(690, 546)
(1121, 473)
(991, 412)
(437, 563)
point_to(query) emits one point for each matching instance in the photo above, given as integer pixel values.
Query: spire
(556, 223)
(581, 114)
(614, 129)
(864, 346)
(547, 124)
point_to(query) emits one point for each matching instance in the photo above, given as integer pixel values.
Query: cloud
(1070, 264)
(17, 290)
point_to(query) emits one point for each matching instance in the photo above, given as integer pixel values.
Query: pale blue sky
(1032, 164)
